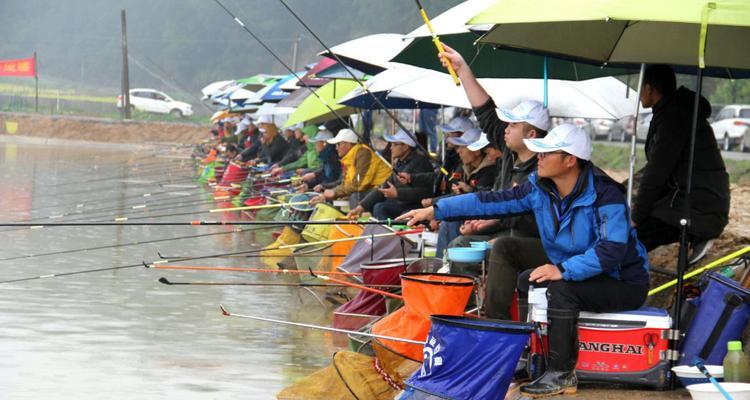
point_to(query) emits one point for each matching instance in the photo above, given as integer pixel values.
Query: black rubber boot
(560, 377)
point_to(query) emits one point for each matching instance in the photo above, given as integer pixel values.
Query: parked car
(154, 101)
(599, 127)
(621, 130)
(730, 125)
(641, 131)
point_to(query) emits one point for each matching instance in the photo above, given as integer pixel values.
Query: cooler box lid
(644, 317)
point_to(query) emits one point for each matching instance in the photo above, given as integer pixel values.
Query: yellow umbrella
(316, 109)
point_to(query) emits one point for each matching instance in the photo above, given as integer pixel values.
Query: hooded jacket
(662, 190)
(586, 234)
(411, 193)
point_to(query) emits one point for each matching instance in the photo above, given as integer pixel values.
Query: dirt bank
(100, 130)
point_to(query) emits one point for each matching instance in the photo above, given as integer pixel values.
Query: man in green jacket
(308, 160)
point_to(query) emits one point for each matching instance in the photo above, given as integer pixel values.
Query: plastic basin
(692, 375)
(466, 254)
(707, 391)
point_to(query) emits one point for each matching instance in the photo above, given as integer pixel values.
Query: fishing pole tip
(147, 265)
(224, 310)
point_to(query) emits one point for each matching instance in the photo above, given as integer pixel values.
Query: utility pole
(295, 48)
(125, 74)
(36, 84)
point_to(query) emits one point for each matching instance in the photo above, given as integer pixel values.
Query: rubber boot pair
(560, 376)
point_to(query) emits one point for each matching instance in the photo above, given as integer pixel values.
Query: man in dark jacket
(659, 204)
(394, 197)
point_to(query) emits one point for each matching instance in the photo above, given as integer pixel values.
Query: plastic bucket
(468, 358)
(322, 212)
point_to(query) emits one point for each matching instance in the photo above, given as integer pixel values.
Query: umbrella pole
(685, 223)
(634, 137)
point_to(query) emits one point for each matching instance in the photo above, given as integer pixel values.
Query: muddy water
(120, 333)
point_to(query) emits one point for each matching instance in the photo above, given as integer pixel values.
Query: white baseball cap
(565, 137)
(344, 135)
(265, 119)
(458, 124)
(323, 135)
(529, 111)
(400, 137)
(481, 143)
(467, 138)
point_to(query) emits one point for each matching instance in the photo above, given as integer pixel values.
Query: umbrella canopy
(215, 87)
(258, 82)
(272, 109)
(681, 32)
(368, 54)
(271, 93)
(312, 79)
(313, 110)
(595, 98)
(295, 98)
(241, 94)
(484, 59)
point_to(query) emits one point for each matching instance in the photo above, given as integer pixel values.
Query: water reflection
(120, 334)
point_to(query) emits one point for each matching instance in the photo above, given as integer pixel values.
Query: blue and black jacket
(585, 234)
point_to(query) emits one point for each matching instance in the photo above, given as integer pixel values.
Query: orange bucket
(339, 248)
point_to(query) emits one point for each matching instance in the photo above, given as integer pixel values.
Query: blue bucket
(468, 358)
(722, 314)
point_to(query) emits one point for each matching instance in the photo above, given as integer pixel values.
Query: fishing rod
(225, 312)
(166, 260)
(367, 90)
(183, 178)
(355, 285)
(299, 79)
(251, 270)
(145, 172)
(270, 284)
(436, 41)
(124, 222)
(136, 243)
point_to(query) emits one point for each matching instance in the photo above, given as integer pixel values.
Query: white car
(154, 101)
(731, 122)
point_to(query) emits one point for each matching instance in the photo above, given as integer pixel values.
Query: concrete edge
(21, 139)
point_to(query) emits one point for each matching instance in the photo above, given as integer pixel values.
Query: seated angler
(590, 258)
(300, 162)
(362, 169)
(393, 198)
(328, 173)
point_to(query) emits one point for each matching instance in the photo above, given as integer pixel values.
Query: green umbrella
(485, 60)
(318, 107)
(710, 33)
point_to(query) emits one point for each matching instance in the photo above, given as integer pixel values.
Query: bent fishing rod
(364, 87)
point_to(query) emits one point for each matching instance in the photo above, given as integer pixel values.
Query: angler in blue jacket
(594, 261)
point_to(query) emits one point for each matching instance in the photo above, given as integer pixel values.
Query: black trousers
(653, 232)
(597, 294)
(509, 257)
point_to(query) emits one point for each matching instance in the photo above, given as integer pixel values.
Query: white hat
(481, 143)
(565, 137)
(458, 124)
(265, 119)
(467, 138)
(323, 135)
(529, 111)
(401, 137)
(344, 135)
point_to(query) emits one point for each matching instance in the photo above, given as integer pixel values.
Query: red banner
(22, 67)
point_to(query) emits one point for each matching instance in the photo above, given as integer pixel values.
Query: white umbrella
(273, 110)
(594, 98)
(452, 21)
(241, 94)
(213, 87)
(370, 53)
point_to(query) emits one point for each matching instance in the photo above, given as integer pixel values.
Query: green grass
(617, 158)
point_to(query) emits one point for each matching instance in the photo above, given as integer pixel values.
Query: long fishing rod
(270, 284)
(299, 79)
(226, 312)
(162, 167)
(252, 270)
(33, 225)
(121, 182)
(135, 243)
(367, 90)
(436, 41)
(166, 260)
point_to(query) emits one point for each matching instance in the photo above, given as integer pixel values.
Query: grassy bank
(617, 158)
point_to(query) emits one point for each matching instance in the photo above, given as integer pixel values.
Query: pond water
(120, 333)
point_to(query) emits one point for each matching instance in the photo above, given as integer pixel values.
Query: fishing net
(393, 366)
(350, 376)
(424, 294)
(271, 255)
(367, 306)
(312, 256)
(342, 249)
